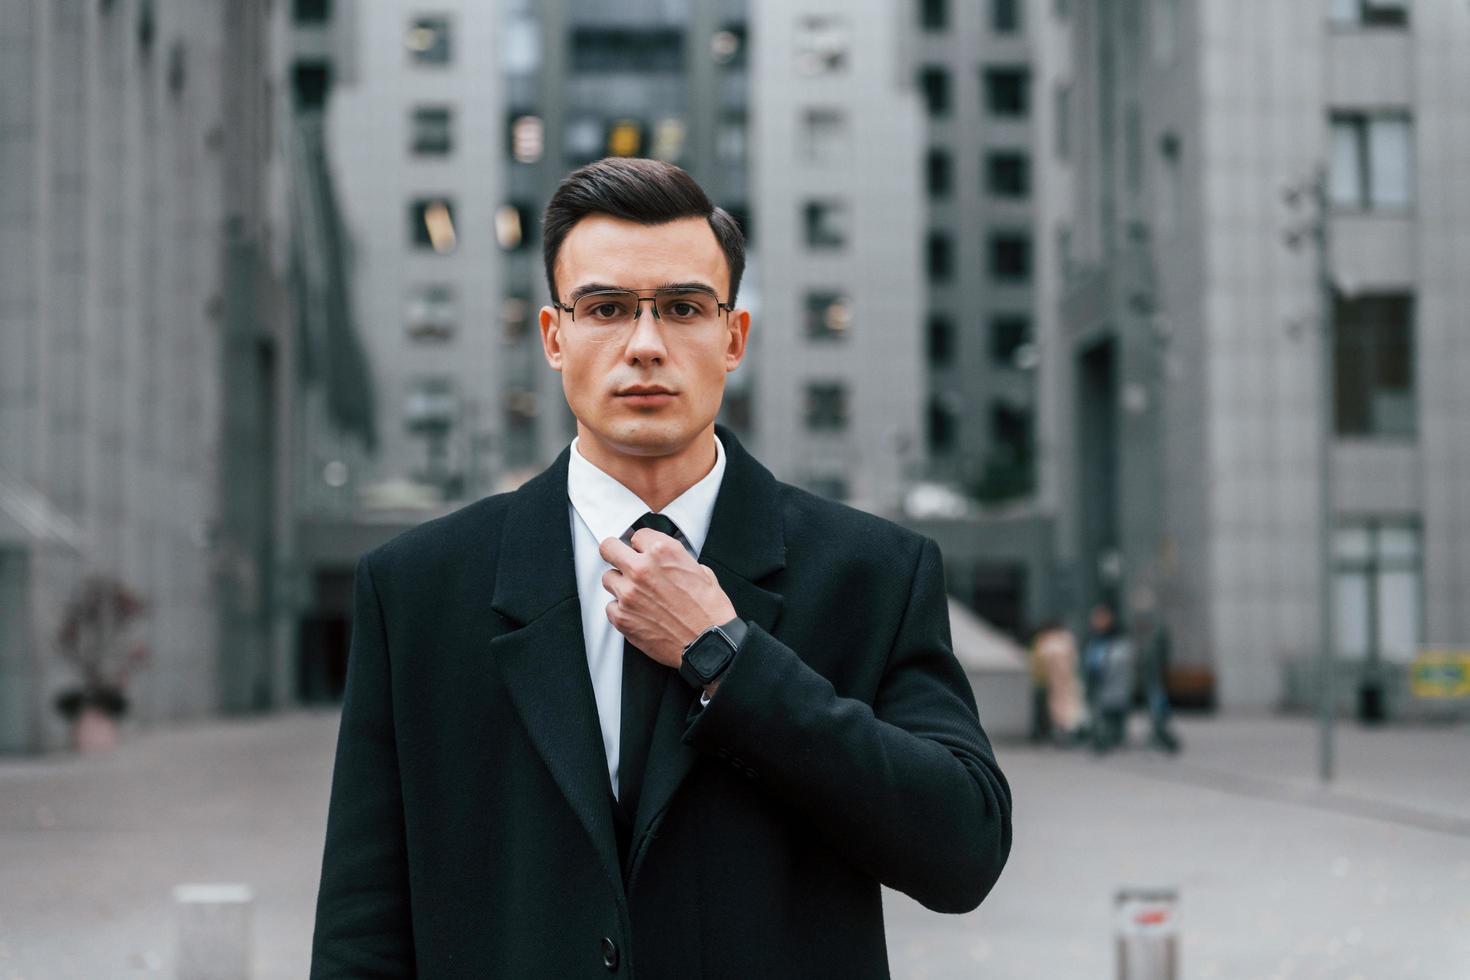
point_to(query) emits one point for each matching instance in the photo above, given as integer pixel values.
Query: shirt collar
(608, 508)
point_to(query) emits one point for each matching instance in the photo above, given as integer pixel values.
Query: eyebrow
(595, 287)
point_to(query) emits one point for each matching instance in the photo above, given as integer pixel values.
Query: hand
(662, 597)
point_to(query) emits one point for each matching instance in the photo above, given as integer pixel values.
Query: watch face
(709, 654)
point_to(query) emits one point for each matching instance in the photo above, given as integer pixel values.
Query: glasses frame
(721, 307)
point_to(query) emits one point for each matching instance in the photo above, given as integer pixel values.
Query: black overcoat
(470, 832)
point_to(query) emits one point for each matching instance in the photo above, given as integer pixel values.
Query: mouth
(645, 394)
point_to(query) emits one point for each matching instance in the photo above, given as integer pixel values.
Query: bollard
(214, 931)
(1148, 933)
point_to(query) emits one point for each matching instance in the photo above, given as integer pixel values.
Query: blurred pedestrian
(1108, 670)
(1152, 638)
(1058, 711)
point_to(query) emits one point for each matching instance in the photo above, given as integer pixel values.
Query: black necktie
(643, 686)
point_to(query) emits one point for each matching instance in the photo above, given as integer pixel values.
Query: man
(570, 749)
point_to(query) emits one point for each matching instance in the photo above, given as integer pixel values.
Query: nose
(646, 342)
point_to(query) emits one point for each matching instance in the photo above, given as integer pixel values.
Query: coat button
(609, 953)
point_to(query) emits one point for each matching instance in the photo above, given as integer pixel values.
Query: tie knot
(658, 522)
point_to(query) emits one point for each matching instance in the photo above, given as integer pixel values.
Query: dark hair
(649, 192)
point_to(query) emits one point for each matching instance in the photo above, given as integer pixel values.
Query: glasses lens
(687, 306)
(606, 309)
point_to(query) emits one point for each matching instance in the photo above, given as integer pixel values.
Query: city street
(1277, 878)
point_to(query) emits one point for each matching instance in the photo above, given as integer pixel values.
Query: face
(1101, 619)
(653, 391)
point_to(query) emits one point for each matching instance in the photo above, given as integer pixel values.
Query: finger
(613, 581)
(616, 553)
(645, 538)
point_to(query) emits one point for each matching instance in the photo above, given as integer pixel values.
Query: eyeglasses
(606, 314)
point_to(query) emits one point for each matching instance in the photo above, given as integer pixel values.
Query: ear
(551, 336)
(738, 333)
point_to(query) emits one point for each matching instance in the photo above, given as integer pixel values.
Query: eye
(684, 310)
(605, 311)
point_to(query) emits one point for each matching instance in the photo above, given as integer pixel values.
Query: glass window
(826, 406)
(520, 44)
(943, 425)
(825, 137)
(1370, 13)
(828, 315)
(431, 313)
(731, 138)
(513, 226)
(934, 14)
(1170, 190)
(826, 224)
(431, 224)
(1372, 160)
(631, 50)
(1006, 92)
(1008, 173)
(940, 255)
(1010, 256)
(431, 132)
(821, 45)
(939, 171)
(1009, 333)
(625, 138)
(1379, 589)
(1373, 355)
(310, 83)
(428, 40)
(727, 46)
(430, 405)
(1005, 16)
(527, 135)
(941, 339)
(583, 139)
(934, 83)
(311, 11)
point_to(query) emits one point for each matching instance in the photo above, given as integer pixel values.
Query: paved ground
(1277, 877)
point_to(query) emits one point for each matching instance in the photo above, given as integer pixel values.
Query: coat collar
(544, 661)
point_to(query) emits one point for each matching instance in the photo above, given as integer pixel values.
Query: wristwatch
(710, 653)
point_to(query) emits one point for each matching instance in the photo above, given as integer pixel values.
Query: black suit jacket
(471, 833)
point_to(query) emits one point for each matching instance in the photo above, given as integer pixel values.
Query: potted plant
(93, 637)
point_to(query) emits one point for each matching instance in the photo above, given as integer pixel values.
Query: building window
(310, 83)
(1379, 589)
(1008, 173)
(1370, 13)
(430, 129)
(1009, 334)
(430, 405)
(941, 340)
(934, 14)
(943, 428)
(525, 136)
(940, 254)
(1007, 92)
(513, 226)
(1005, 16)
(939, 170)
(1010, 256)
(428, 40)
(1063, 108)
(1372, 160)
(1373, 343)
(730, 138)
(934, 83)
(828, 316)
(431, 224)
(821, 45)
(311, 11)
(826, 406)
(826, 224)
(627, 50)
(727, 46)
(825, 137)
(1008, 465)
(431, 314)
(625, 138)
(515, 318)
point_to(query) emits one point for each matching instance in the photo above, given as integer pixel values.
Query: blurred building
(836, 353)
(138, 346)
(1190, 399)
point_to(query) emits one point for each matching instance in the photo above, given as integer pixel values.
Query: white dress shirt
(601, 508)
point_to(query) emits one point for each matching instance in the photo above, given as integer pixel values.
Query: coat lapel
(544, 662)
(745, 544)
